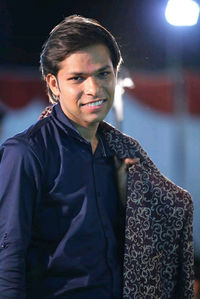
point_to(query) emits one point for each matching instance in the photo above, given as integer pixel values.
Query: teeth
(95, 103)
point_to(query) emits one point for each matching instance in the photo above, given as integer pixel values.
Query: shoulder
(25, 143)
(122, 144)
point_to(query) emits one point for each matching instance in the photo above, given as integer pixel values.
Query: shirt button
(4, 245)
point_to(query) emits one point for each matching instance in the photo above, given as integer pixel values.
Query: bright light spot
(182, 12)
(127, 82)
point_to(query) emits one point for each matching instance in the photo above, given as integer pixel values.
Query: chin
(97, 119)
(92, 122)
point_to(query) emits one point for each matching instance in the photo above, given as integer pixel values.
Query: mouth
(94, 104)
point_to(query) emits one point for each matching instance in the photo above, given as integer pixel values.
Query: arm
(19, 188)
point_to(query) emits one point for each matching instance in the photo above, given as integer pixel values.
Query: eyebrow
(81, 73)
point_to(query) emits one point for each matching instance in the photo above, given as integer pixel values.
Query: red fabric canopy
(154, 90)
(17, 90)
(192, 89)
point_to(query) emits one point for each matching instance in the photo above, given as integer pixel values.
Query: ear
(53, 84)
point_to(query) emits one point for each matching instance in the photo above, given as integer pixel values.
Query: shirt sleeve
(20, 174)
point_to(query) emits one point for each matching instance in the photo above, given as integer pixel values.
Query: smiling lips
(94, 104)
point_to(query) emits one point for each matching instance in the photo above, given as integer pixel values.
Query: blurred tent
(17, 89)
(150, 115)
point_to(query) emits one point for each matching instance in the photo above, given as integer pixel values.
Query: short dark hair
(72, 34)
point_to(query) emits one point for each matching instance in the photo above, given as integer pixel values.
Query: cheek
(69, 92)
(112, 91)
(112, 86)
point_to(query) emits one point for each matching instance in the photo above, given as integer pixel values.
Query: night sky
(146, 40)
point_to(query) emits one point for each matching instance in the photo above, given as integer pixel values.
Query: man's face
(85, 85)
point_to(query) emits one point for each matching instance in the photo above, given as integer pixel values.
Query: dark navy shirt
(58, 215)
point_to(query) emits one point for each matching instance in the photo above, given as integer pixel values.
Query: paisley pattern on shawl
(158, 257)
(158, 253)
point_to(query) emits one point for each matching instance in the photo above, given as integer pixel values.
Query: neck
(89, 134)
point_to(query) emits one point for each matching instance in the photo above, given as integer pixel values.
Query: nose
(91, 86)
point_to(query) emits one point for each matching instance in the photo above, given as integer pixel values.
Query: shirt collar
(59, 115)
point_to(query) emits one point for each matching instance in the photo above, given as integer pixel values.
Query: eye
(76, 79)
(104, 74)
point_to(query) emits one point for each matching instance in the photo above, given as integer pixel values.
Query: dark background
(147, 41)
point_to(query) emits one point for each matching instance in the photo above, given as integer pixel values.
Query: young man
(84, 213)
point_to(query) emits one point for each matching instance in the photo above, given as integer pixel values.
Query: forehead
(87, 59)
